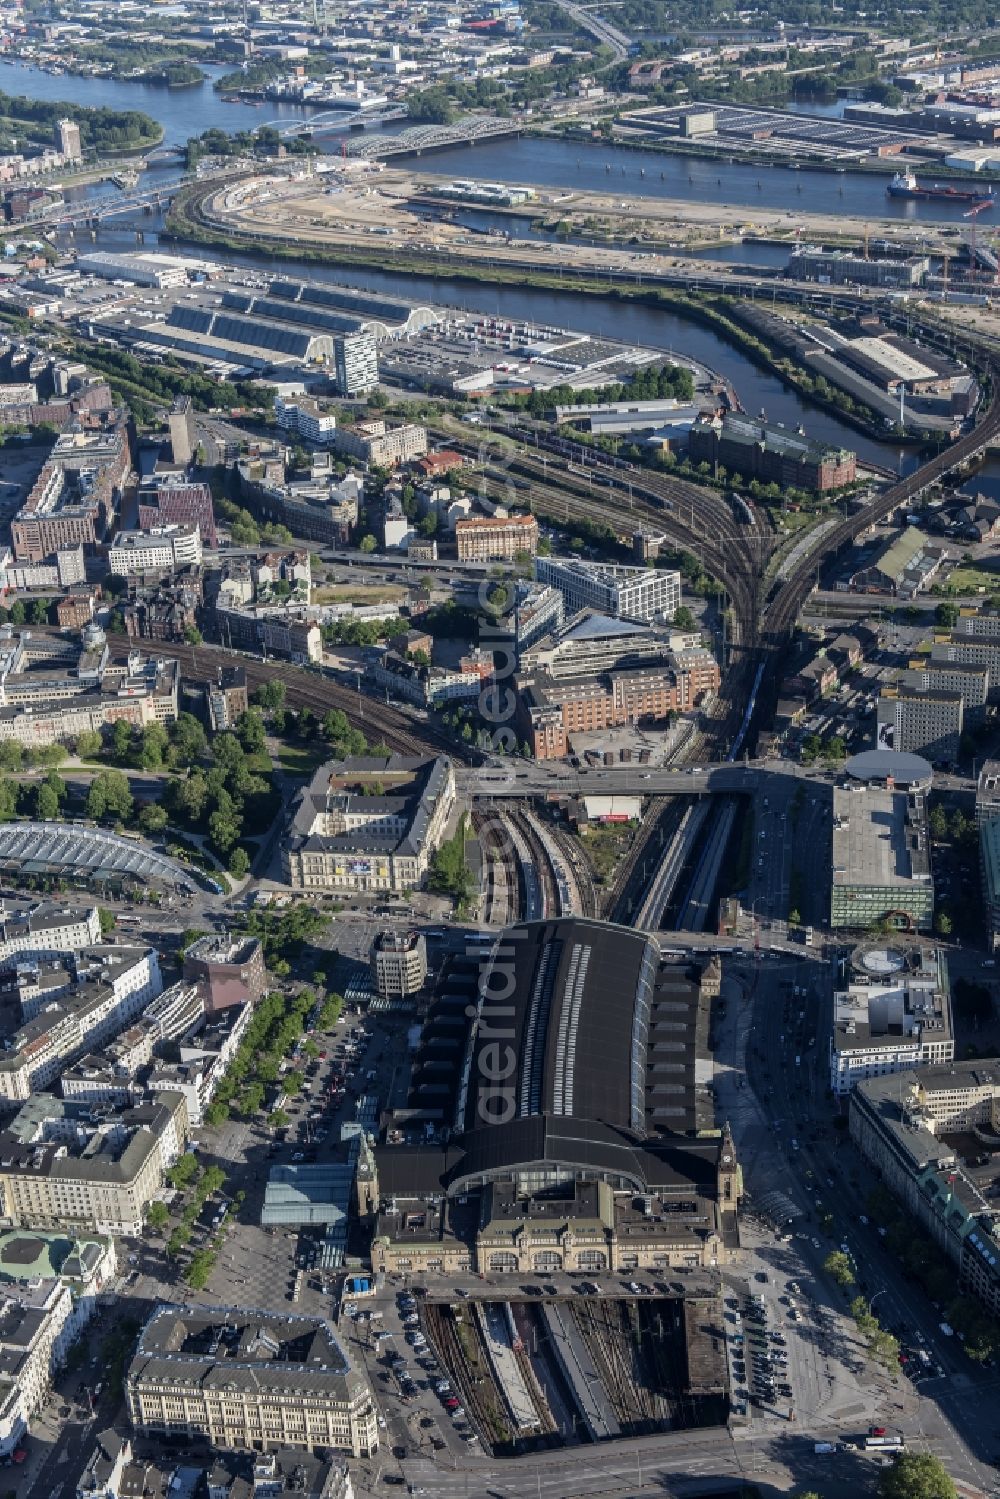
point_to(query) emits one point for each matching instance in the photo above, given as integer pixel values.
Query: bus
(885, 1444)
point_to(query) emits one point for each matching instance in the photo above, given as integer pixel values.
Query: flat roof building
(920, 720)
(399, 964)
(881, 860)
(640, 593)
(892, 1013)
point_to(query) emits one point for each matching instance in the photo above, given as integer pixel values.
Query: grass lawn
(973, 579)
(260, 764)
(350, 593)
(302, 759)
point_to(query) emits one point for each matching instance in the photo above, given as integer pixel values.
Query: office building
(399, 964)
(355, 361)
(955, 678)
(170, 499)
(881, 859)
(771, 454)
(378, 445)
(598, 1152)
(496, 538)
(48, 930)
(35, 1336)
(67, 137)
(891, 1013)
(228, 970)
(640, 593)
(369, 824)
(922, 1138)
(920, 721)
(202, 1059)
(988, 792)
(80, 687)
(65, 1165)
(842, 268)
(537, 611)
(75, 497)
(161, 549)
(251, 1381)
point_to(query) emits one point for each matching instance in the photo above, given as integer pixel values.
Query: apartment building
(74, 498)
(68, 1007)
(399, 964)
(489, 538)
(892, 1014)
(62, 570)
(970, 650)
(306, 418)
(254, 1381)
(640, 593)
(369, 824)
(355, 363)
(956, 678)
(65, 1165)
(538, 610)
(202, 1061)
(379, 445)
(161, 549)
(916, 1136)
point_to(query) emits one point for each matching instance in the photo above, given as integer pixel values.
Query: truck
(824, 1447)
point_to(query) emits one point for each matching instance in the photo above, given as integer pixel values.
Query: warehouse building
(771, 454)
(881, 857)
(597, 1152)
(905, 565)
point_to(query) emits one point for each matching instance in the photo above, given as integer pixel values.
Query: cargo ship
(905, 185)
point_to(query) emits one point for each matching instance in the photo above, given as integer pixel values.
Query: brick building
(771, 454)
(167, 499)
(495, 538)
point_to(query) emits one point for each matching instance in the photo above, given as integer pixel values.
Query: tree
(946, 615)
(938, 822)
(292, 1082)
(223, 829)
(192, 635)
(838, 1265)
(367, 544)
(251, 731)
(39, 612)
(46, 803)
(187, 740)
(121, 739)
(108, 920)
(11, 755)
(157, 1216)
(155, 741)
(683, 618)
(942, 924)
(109, 796)
(239, 863)
(8, 800)
(88, 744)
(153, 818)
(278, 1118)
(270, 695)
(17, 613)
(916, 1475)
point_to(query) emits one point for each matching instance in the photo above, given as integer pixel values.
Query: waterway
(545, 161)
(189, 111)
(649, 326)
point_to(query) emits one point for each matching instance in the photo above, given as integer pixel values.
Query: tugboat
(905, 185)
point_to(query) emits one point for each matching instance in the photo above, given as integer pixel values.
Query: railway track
(310, 689)
(503, 899)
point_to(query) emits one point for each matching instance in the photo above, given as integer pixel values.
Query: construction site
(551, 1371)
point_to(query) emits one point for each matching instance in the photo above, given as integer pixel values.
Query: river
(650, 326)
(189, 111)
(542, 160)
